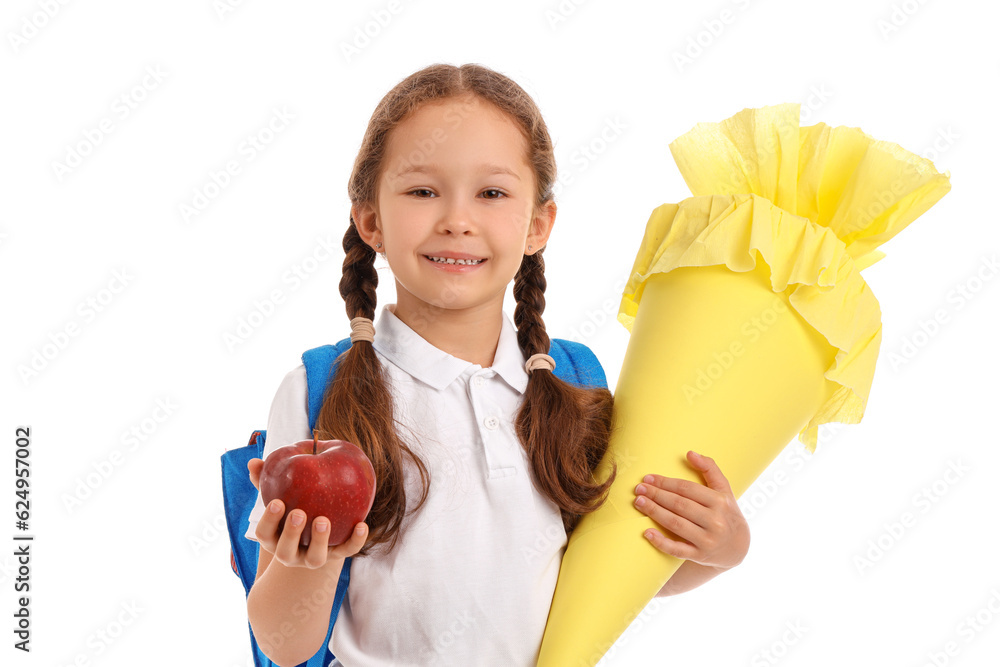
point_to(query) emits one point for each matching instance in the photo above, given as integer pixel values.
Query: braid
(357, 285)
(529, 293)
(564, 428)
(358, 405)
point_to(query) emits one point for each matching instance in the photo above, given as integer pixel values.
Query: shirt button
(491, 422)
(479, 380)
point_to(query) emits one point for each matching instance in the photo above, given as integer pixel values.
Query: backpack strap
(321, 365)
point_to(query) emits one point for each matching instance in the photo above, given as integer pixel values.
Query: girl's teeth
(442, 260)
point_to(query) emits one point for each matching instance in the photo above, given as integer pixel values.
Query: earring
(378, 245)
(529, 247)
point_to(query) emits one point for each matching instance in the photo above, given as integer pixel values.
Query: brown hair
(564, 428)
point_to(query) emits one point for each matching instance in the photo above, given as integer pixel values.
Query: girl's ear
(366, 222)
(541, 227)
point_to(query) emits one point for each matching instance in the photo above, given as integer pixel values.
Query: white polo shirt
(471, 579)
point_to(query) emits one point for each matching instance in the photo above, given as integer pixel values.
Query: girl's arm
(289, 608)
(688, 576)
(290, 602)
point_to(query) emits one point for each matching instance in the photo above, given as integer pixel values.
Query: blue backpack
(575, 363)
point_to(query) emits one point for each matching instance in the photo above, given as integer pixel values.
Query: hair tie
(539, 361)
(362, 328)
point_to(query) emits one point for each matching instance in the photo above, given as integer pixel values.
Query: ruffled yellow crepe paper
(750, 323)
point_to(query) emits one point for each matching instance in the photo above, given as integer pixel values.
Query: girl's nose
(456, 218)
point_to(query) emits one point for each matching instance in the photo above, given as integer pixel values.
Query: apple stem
(314, 441)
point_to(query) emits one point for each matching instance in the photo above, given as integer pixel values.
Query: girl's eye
(498, 193)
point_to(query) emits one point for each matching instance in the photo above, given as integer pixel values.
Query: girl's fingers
(254, 466)
(353, 545)
(693, 491)
(670, 547)
(319, 541)
(710, 470)
(675, 523)
(692, 513)
(267, 527)
(287, 551)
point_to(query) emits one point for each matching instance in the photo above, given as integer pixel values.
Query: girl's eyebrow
(488, 169)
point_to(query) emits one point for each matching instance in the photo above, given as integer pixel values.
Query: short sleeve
(287, 423)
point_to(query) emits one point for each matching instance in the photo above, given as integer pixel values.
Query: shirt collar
(404, 347)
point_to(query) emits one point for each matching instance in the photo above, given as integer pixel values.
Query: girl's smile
(455, 267)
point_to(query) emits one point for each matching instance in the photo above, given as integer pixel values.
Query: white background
(150, 536)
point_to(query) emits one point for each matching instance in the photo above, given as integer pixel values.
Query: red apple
(331, 478)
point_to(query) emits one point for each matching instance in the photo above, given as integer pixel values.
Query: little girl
(483, 458)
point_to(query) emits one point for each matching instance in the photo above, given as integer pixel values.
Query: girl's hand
(707, 517)
(285, 547)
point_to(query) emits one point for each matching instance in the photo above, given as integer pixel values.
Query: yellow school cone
(750, 323)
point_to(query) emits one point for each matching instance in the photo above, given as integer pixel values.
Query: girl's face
(456, 180)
